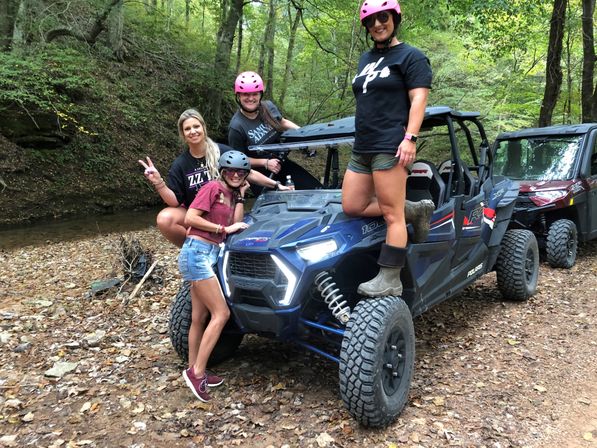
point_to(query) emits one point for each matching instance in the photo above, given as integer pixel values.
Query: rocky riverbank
(80, 370)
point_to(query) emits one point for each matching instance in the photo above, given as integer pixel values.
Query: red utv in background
(556, 167)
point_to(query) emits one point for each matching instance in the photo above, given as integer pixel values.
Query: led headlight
(547, 197)
(317, 251)
(290, 277)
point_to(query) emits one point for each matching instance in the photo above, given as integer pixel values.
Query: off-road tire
(180, 323)
(379, 341)
(517, 265)
(562, 243)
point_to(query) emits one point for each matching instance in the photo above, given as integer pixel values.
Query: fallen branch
(126, 300)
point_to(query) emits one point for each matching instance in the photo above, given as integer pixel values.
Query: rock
(5, 337)
(100, 286)
(8, 440)
(13, 403)
(40, 303)
(60, 369)
(21, 348)
(94, 339)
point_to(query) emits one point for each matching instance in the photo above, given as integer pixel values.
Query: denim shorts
(367, 163)
(197, 259)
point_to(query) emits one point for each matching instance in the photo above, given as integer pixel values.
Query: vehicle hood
(532, 186)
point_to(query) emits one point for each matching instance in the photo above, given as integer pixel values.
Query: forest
(88, 87)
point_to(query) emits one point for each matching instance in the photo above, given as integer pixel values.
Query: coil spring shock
(331, 296)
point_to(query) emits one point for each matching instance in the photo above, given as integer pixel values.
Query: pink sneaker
(197, 385)
(213, 380)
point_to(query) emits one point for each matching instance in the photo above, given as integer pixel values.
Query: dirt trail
(488, 373)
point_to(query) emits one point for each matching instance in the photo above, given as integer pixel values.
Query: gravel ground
(488, 373)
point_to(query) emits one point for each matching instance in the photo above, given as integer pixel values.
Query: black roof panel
(569, 129)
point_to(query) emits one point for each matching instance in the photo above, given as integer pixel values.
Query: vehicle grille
(254, 298)
(524, 202)
(252, 265)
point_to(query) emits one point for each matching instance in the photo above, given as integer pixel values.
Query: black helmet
(234, 159)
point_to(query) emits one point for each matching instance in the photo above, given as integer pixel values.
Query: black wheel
(377, 360)
(517, 265)
(180, 323)
(562, 243)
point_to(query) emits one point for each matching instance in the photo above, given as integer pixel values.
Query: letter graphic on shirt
(198, 177)
(255, 135)
(371, 72)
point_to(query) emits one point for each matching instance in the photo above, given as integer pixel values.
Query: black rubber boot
(387, 282)
(419, 214)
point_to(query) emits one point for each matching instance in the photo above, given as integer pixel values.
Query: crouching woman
(216, 211)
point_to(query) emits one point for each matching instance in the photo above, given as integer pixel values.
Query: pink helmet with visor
(370, 7)
(248, 82)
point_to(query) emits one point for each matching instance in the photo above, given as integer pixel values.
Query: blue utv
(293, 274)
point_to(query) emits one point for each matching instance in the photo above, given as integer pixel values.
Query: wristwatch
(412, 137)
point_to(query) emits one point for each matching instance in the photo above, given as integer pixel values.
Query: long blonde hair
(212, 151)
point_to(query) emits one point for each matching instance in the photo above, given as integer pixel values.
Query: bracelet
(277, 186)
(160, 182)
(240, 200)
(267, 164)
(218, 229)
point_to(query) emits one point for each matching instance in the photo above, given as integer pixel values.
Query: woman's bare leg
(170, 222)
(390, 189)
(209, 293)
(199, 319)
(358, 195)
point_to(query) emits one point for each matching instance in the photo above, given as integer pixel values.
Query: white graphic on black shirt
(371, 72)
(198, 177)
(259, 132)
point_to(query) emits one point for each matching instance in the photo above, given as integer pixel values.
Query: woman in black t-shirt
(260, 122)
(391, 88)
(193, 168)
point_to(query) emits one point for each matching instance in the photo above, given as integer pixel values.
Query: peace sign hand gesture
(151, 173)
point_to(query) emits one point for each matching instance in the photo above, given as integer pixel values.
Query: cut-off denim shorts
(367, 163)
(197, 259)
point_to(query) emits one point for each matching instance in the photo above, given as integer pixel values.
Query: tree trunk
(7, 20)
(588, 95)
(25, 16)
(289, 55)
(187, 13)
(239, 44)
(115, 28)
(269, 42)
(97, 27)
(224, 39)
(553, 69)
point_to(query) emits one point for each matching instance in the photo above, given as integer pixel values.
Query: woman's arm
(155, 178)
(407, 150)
(287, 124)
(194, 219)
(255, 177)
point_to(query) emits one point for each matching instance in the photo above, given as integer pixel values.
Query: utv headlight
(290, 277)
(317, 251)
(547, 197)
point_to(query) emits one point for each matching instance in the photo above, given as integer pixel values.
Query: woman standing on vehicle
(216, 211)
(391, 88)
(192, 169)
(259, 122)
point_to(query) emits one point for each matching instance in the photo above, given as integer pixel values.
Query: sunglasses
(238, 171)
(382, 16)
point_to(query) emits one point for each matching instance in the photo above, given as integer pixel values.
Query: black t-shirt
(187, 174)
(381, 90)
(244, 132)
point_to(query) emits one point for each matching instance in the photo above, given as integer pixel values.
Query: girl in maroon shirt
(216, 211)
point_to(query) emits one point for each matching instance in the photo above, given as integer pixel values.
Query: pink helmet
(370, 7)
(248, 82)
